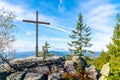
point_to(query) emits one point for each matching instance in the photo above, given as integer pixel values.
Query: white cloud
(100, 16)
(58, 28)
(30, 32)
(100, 42)
(23, 13)
(44, 38)
(21, 45)
(103, 10)
(60, 6)
(18, 9)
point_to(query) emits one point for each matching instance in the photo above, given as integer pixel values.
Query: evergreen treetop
(80, 38)
(114, 51)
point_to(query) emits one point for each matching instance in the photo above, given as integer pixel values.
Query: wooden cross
(36, 22)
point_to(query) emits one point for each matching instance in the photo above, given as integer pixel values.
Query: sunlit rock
(92, 72)
(105, 71)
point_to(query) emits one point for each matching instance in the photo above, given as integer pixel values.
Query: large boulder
(1, 61)
(17, 76)
(105, 71)
(80, 60)
(36, 76)
(55, 76)
(5, 71)
(92, 72)
(70, 66)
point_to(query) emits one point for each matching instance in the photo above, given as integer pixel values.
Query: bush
(101, 60)
(79, 75)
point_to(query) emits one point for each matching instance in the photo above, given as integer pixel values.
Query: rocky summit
(37, 68)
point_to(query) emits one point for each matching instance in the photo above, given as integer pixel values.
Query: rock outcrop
(105, 71)
(33, 68)
(52, 68)
(92, 72)
(80, 60)
(70, 66)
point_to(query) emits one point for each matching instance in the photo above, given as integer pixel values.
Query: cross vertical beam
(36, 22)
(36, 33)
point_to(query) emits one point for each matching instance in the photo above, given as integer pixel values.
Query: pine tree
(80, 38)
(45, 51)
(46, 46)
(114, 51)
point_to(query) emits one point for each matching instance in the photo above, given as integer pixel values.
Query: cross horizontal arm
(36, 22)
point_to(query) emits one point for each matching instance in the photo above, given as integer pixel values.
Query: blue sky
(100, 15)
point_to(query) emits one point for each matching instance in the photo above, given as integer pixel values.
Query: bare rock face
(70, 66)
(5, 71)
(36, 68)
(32, 76)
(92, 72)
(105, 71)
(17, 76)
(55, 76)
(1, 61)
(33, 68)
(79, 60)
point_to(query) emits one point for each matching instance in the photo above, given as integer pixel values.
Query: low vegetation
(101, 60)
(79, 75)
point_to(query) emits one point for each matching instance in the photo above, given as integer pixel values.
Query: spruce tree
(46, 46)
(80, 38)
(114, 51)
(45, 51)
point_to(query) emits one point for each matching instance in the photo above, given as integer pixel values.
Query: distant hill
(59, 53)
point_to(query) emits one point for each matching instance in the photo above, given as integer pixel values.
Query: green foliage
(69, 57)
(7, 30)
(46, 47)
(114, 51)
(89, 60)
(101, 60)
(45, 51)
(114, 77)
(80, 38)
